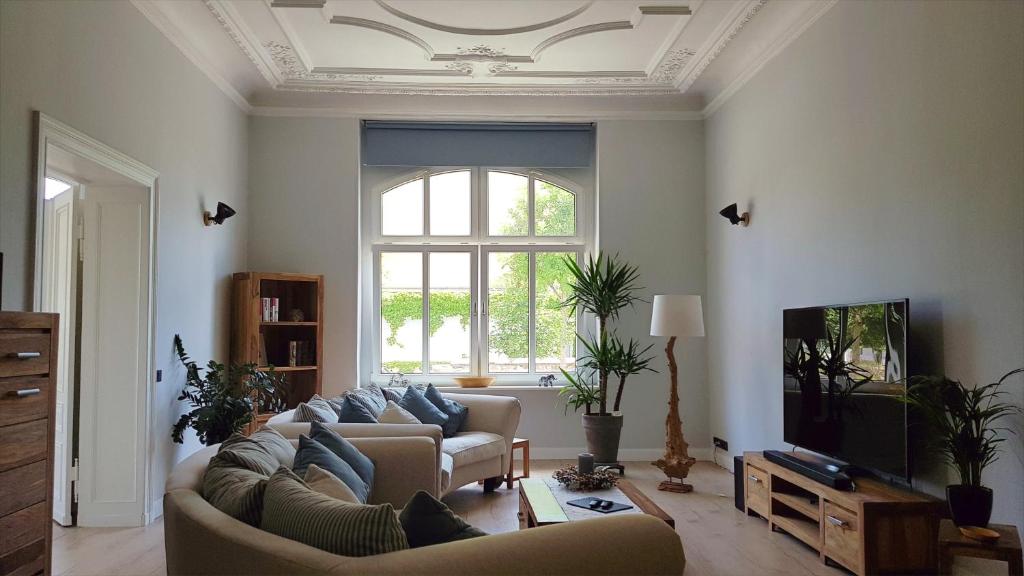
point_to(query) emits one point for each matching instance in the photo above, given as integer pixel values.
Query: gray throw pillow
(316, 409)
(277, 445)
(344, 449)
(370, 396)
(456, 412)
(312, 452)
(426, 521)
(353, 411)
(234, 490)
(294, 511)
(247, 453)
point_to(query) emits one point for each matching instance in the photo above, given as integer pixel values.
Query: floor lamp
(675, 316)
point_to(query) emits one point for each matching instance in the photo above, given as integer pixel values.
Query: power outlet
(720, 443)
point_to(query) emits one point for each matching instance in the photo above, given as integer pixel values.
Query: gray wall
(882, 156)
(102, 68)
(304, 180)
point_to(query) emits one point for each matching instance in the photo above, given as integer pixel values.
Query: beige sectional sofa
(483, 450)
(201, 540)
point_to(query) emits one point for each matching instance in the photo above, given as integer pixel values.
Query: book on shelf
(270, 309)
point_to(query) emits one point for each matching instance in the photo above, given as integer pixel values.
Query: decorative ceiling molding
(387, 29)
(483, 31)
(230, 25)
(581, 31)
(298, 3)
(732, 29)
(671, 65)
(293, 69)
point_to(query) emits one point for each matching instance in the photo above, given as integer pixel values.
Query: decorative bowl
(474, 381)
(979, 533)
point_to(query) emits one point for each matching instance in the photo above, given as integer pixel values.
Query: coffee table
(543, 501)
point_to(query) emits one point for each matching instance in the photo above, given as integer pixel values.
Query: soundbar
(818, 469)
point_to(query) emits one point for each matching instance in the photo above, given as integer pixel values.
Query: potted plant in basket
(963, 431)
(603, 286)
(222, 400)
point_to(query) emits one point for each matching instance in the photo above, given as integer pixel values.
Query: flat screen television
(844, 369)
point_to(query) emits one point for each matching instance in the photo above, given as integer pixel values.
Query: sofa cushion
(312, 452)
(447, 465)
(234, 490)
(247, 453)
(351, 411)
(395, 414)
(316, 409)
(427, 521)
(292, 510)
(417, 405)
(370, 396)
(344, 449)
(470, 447)
(322, 481)
(278, 446)
(456, 412)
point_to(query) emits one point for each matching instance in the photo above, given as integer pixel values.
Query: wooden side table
(524, 445)
(953, 543)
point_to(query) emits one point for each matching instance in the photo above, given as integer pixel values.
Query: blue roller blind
(513, 144)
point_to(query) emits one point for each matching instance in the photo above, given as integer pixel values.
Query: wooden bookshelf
(265, 343)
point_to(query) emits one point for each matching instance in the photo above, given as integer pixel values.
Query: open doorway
(94, 267)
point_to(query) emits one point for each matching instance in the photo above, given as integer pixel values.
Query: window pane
(507, 210)
(449, 204)
(402, 210)
(508, 307)
(401, 311)
(556, 325)
(449, 312)
(554, 210)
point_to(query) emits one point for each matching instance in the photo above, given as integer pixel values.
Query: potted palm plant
(602, 287)
(222, 400)
(963, 431)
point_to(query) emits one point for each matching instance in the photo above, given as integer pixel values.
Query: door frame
(51, 132)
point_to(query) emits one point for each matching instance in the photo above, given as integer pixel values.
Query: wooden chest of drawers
(28, 361)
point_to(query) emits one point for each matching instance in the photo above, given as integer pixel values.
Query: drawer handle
(26, 355)
(754, 479)
(836, 521)
(24, 392)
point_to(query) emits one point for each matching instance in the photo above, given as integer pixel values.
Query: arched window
(469, 274)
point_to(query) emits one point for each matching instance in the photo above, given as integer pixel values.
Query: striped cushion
(274, 443)
(249, 454)
(235, 491)
(370, 396)
(315, 410)
(294, 511)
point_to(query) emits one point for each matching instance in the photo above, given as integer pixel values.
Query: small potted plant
(222, 400)
(963, 431)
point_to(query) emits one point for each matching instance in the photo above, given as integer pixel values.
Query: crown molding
(401, 114)
(171, 31)
(725, 33)
(807, 18)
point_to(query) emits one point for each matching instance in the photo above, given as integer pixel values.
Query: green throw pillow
(427, 521)
(249, 454)
(294, 511)
(234, 490)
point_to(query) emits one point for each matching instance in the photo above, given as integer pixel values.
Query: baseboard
(113, 521)
(625, 454)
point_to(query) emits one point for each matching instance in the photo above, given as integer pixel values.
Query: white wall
(882, 156)
(102, 68)
(304, 180)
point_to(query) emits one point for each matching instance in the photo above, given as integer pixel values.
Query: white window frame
(479, 244)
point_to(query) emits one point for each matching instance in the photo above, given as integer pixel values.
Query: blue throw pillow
(353, 412)
(313, 452)
(456, 412)
(421, 408)
(344, 449)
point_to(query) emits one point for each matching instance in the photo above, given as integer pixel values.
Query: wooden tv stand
(876, 529)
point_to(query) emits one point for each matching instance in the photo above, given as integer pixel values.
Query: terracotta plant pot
(603, 437)
(969, 505)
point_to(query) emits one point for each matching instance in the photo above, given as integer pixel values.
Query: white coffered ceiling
(295, 53)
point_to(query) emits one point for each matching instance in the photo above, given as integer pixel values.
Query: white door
(60, 294)
(114, 344)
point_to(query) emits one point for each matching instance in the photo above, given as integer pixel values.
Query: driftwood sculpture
(677, 461)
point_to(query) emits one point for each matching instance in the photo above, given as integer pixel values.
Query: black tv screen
(845, 368)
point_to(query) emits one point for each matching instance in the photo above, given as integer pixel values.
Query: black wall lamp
(731, 213)
(223, 213)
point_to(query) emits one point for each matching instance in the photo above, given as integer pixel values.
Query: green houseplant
(963, 431)
(222, 400)
(602, 287)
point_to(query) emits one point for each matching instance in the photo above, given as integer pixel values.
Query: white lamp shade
(677, 315)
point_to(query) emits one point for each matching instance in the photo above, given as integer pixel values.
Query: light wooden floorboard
(718, 539)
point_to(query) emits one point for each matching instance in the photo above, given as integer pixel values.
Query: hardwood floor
(718, 539)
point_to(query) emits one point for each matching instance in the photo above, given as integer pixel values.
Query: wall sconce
(223, 213)
(731, 214)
